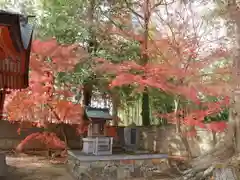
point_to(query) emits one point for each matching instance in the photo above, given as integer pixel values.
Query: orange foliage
(41, 102)
(43, 140)
(176, 67)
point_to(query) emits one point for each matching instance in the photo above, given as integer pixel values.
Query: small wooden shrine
(97, 142)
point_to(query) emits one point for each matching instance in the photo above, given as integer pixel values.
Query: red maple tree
(176, 66)
(44, 102)
(185, 82)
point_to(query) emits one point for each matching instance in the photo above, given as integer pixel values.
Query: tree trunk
(115, 105)
(87, 93)
(179, 132)
(227, 152)
(92, 48)
(145, 108)
(203, 166)
(235, 109)
(214, 136)
(144, 61)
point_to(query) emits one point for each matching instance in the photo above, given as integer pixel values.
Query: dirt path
(35, 168)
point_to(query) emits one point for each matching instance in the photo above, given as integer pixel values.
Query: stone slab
(83, 157)
(114, 167)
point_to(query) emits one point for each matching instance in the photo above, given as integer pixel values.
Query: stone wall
(115, 167)
(155, 139)
(164, 139)
(10, 138)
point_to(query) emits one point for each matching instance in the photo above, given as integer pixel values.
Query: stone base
(115, 167)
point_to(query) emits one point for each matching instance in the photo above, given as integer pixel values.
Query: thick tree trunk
(179, 132)
(92, 48)
(204, 165)
(87, 93)
(115, 105)
(144, 61)
(145, 108)
(214, 136)
(226, 152)
(234, 117)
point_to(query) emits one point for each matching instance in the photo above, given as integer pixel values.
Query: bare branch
(161, 3)
(132, 10)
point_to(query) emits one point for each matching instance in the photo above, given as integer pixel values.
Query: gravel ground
(35, 168)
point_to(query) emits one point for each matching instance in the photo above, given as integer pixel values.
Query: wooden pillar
(2, 100)
(90, 130)
(105, 129)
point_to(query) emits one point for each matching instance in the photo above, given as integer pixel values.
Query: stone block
(123, 173)
(137, 172)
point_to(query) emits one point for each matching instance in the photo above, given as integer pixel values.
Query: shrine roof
(20, 29)
(16, 37)
(98, 113)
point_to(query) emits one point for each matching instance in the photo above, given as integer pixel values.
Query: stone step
(118, 149)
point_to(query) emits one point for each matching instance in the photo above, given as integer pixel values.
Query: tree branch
(132, 10)
(53, 111)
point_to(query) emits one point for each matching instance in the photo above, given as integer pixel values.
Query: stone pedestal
(131, 138)
(88, 145)
(103, 146)
(97, 145)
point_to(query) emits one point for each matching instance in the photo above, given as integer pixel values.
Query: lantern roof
(98, 114)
